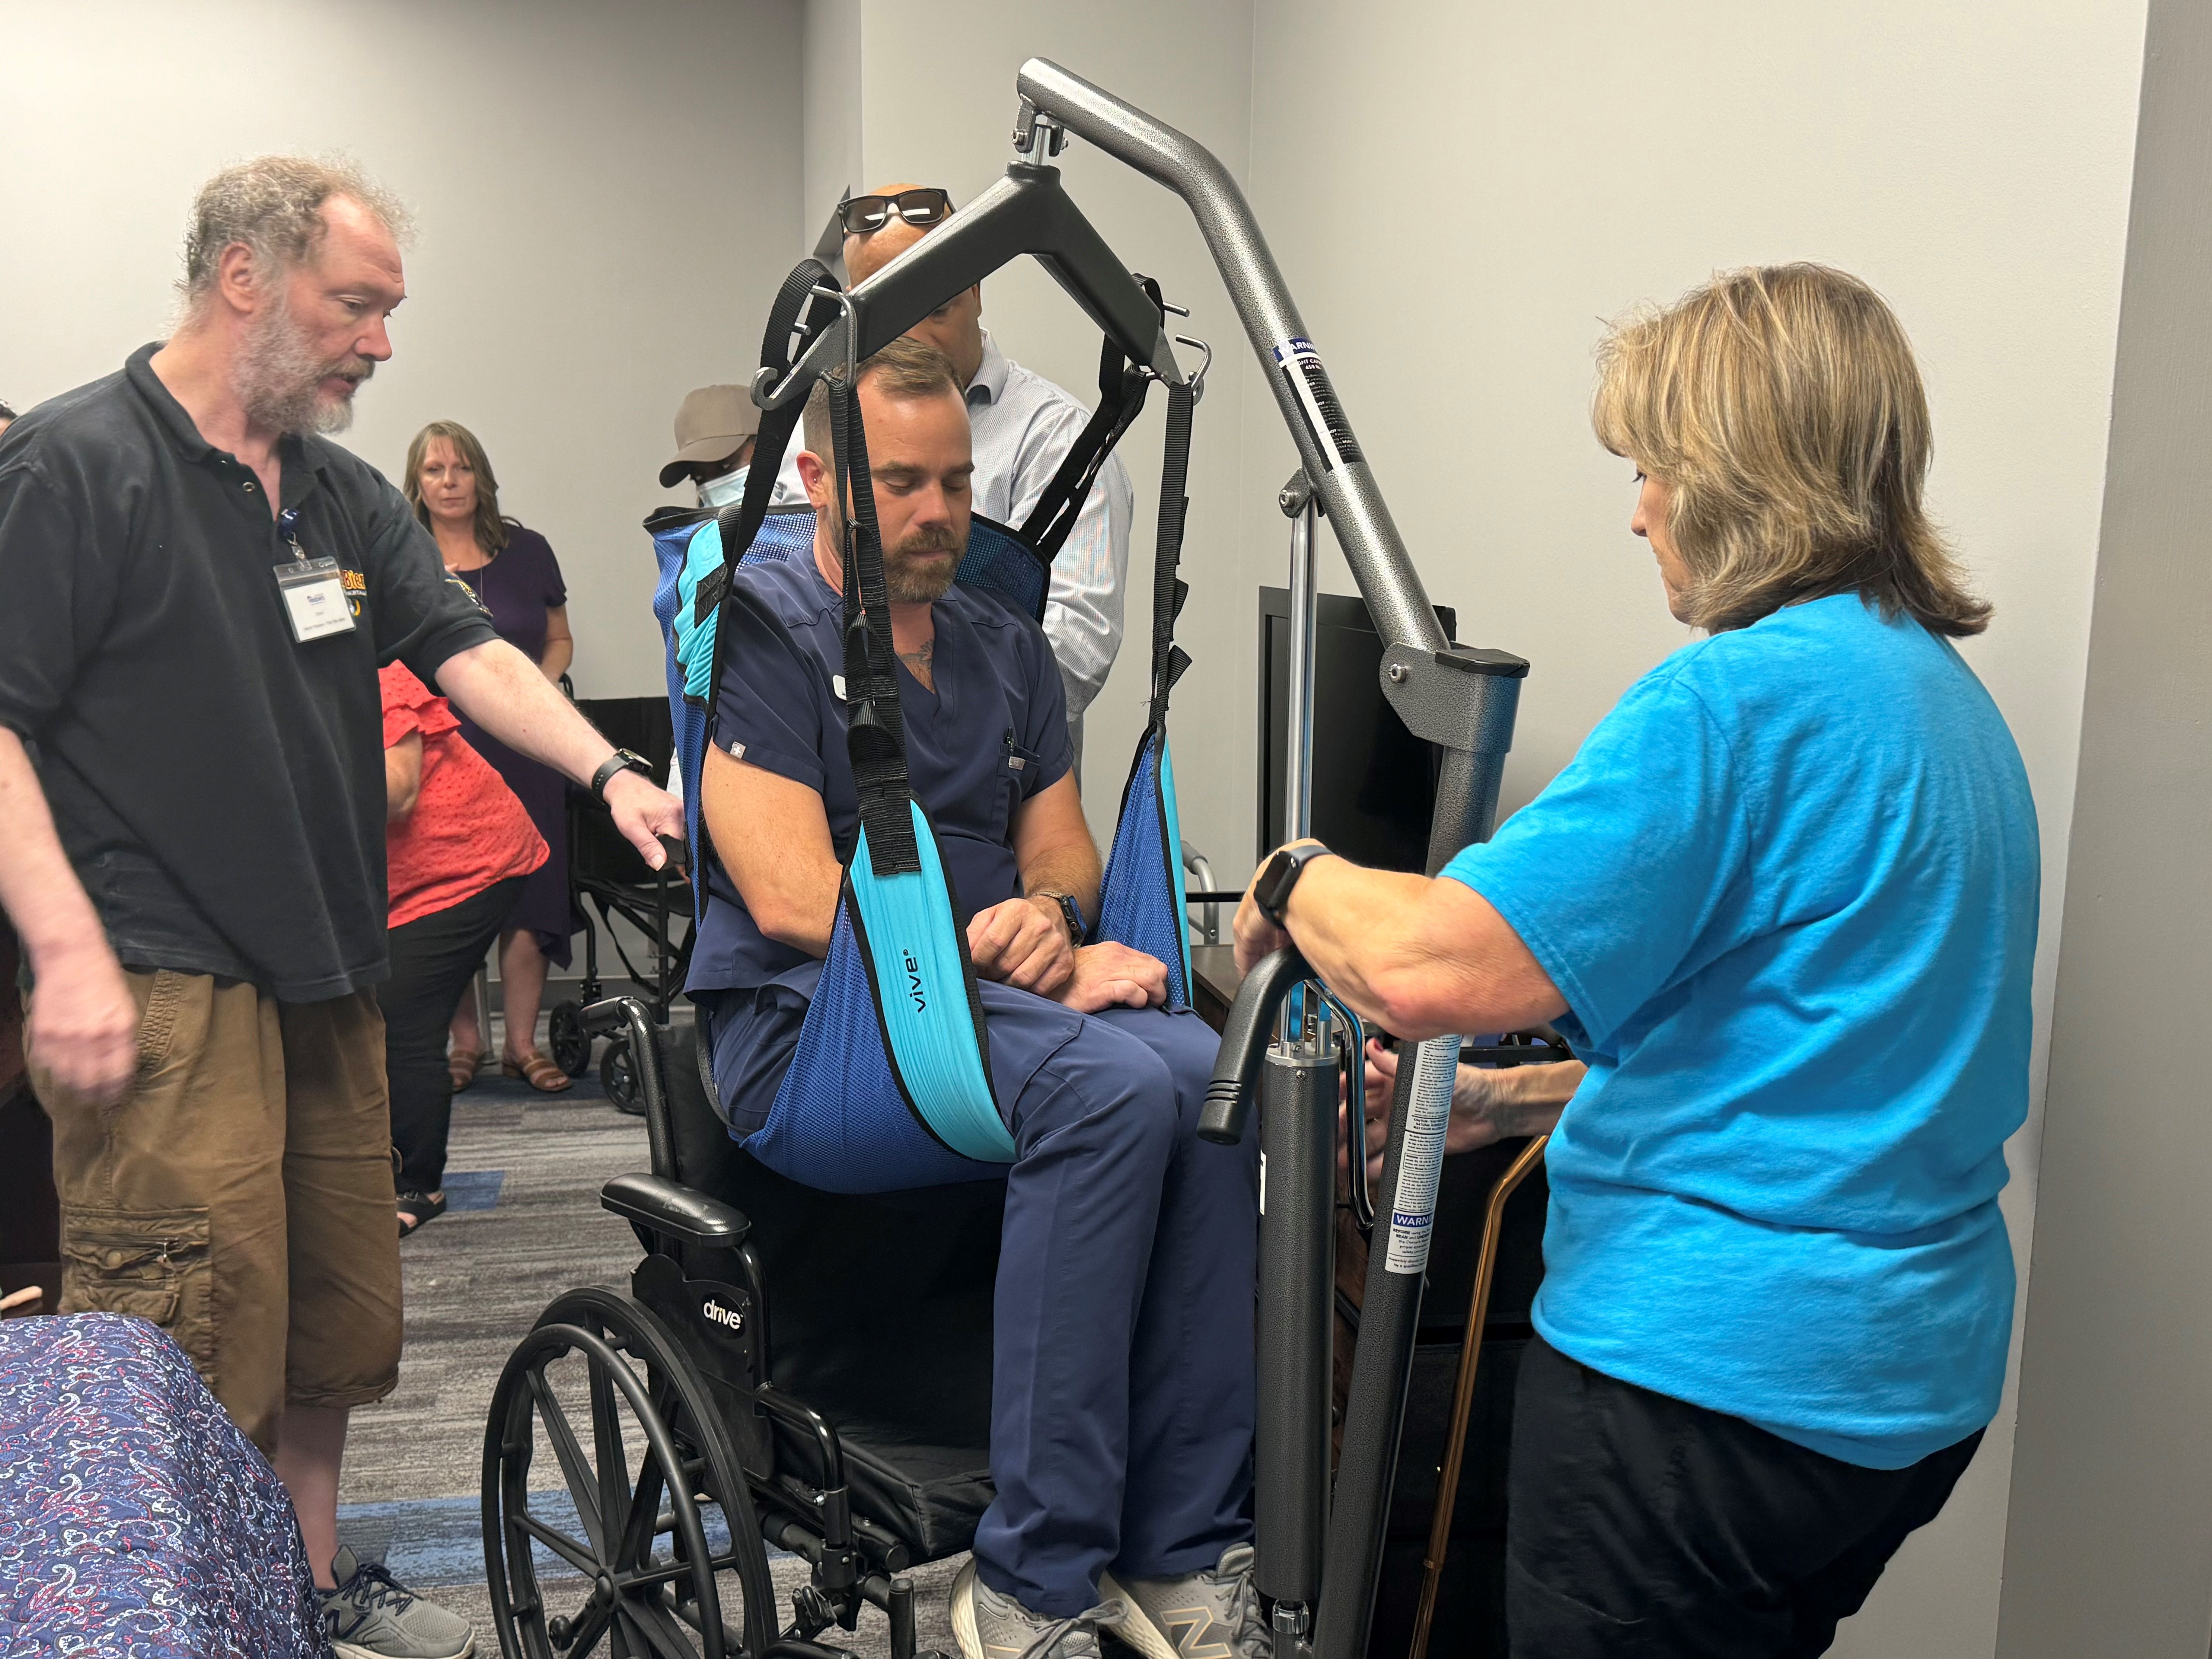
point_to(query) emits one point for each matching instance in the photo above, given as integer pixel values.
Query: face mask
(726, 491)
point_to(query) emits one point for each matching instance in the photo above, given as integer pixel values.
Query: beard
(907, 581)
(279, 379)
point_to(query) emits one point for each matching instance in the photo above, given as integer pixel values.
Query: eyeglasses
(863, 216)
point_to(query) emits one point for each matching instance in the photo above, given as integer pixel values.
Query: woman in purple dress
(512, 570)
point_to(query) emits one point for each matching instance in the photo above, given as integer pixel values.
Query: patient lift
(721, 1423)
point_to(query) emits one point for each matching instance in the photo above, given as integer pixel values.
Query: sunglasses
(863, 216)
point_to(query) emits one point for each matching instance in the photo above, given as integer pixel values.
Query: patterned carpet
(524, 1224)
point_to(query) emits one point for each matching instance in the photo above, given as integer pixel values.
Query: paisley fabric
(136, 1521)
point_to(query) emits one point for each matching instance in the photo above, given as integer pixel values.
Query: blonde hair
(905, 369)
(491, 528)
(1782, 407)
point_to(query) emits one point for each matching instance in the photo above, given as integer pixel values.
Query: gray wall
(606, 198)
(2110, 1547)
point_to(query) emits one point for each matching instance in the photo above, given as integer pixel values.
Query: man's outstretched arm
(503, 691)
(773, 836)
(83, 1026)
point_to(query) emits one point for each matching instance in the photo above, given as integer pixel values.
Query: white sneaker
(989, 1625)
(1201, 1615)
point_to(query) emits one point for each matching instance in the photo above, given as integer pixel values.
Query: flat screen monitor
(1373, 782)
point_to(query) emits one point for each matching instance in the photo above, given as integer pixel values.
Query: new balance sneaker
(1201, 1615)
(371, 1615)
(989, 1625)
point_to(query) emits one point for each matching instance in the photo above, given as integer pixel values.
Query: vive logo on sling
(913, 982)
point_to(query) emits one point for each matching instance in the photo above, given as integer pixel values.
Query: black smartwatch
(1071, 913)
(1271, 888)
(622, 760)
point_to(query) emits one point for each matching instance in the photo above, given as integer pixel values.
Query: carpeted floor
(524, 1224)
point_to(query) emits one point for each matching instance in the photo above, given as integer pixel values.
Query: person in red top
(460, 844)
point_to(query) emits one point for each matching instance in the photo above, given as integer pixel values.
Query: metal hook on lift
(1169, 308)
(768, 392)
(1198, 380)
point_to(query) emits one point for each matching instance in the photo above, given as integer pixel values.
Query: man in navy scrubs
(1123, 1372)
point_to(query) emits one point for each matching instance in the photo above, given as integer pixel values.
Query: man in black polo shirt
(196, 593)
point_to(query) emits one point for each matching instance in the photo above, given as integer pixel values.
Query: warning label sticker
(1413, 1206)
(1300, 366)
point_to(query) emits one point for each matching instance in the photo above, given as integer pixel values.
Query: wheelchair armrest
(675, 1211)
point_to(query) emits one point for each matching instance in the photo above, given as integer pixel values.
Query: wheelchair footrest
(675, 1211)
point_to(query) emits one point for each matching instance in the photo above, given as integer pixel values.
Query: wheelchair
(790, 1367)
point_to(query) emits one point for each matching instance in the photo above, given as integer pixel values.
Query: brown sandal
(540, 1073)
(462, 1066)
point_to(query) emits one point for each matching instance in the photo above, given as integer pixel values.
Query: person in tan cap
(715, 432)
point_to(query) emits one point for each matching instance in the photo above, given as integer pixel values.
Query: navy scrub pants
(1121, 1399)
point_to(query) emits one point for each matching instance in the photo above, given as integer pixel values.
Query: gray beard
(278, 376)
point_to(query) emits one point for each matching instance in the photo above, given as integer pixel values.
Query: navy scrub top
(994, 731)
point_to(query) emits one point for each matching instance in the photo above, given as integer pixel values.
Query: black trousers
(432, 958)
(1641, 1526)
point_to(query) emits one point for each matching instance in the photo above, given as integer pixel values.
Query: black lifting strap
(875, 735)
(1169, 590)
(797, 317)
(1122, 386)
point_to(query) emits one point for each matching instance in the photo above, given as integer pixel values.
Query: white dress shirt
(1024, 426)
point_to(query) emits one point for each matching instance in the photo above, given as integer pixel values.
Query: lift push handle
(1245, 1036)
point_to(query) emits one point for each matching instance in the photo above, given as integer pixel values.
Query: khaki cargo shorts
(238, 1195)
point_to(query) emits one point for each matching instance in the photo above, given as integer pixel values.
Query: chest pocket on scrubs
(1017, 769)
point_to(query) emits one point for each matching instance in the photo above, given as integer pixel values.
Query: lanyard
(313, 591)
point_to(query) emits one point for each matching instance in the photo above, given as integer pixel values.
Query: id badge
(314, 599)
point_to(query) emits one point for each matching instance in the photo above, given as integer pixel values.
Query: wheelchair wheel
(569, 1043)
(618, 1076)
(641, 1457)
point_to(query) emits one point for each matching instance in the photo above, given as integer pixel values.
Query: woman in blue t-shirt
(1783, 902)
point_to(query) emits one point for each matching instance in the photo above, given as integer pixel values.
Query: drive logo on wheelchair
(714, 1313)
(913, 982)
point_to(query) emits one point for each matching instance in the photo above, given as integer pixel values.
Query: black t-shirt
(218, 785)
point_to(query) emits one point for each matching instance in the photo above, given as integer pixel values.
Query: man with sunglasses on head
(1022, 427)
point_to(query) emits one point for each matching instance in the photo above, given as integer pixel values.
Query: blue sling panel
(849, 1117)
(1140, 902)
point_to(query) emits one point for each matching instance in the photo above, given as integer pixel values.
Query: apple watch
(1271, 888)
